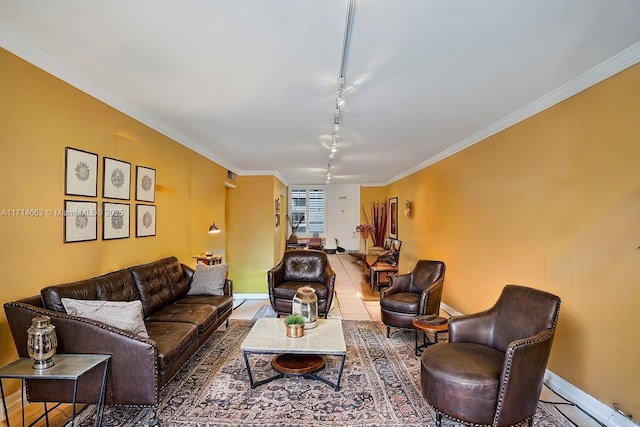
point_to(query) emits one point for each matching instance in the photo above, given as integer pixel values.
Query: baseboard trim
(598, 410)
(250, 296)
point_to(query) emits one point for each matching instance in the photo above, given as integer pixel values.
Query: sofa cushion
(124, 315)
(288, 290)
(172, 339)
(209, 279)
(223, 303)
(203, 316)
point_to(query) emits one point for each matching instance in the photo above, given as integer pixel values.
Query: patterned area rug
(380, 387)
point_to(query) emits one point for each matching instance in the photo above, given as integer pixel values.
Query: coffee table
(296, 356)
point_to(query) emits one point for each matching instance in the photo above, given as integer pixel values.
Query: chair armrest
(522, 377)
(430, 298)
(329, 282)
(399, 283)
(275, 276)
(133, 372)
(474, 328)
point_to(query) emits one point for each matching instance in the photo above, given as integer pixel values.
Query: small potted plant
(294, 325)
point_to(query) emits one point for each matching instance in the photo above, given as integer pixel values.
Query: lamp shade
(214, 229)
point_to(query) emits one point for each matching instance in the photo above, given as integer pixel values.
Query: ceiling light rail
(340, 101)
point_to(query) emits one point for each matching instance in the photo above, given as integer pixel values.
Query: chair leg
(438, 419)
(388, 332)
(530, 422)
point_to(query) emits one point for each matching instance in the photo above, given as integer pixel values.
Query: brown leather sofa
(301, 268)
(177, 325)
(492, 369)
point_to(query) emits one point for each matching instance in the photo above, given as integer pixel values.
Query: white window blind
(308, 209)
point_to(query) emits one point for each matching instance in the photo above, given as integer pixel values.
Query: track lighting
(340, 101)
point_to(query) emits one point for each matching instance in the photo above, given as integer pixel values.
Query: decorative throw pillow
(126, 315)
(209, 279)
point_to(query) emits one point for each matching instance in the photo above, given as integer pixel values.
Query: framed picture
(393, 217)
(145, 184)
(116, 179)
(80, 221)
(115, 221)
(80, 173)
(145, 220)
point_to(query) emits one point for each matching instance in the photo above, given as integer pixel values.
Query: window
(307, 209)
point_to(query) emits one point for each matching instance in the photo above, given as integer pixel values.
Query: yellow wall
(554, 203)
(40, 116)
(255, 243)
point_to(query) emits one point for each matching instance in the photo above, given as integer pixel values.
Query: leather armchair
(492, 369)
(301, 268)
(413, 294)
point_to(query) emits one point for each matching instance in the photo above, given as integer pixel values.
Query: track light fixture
(340, 101)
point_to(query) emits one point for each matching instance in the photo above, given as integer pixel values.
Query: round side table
(420, 325)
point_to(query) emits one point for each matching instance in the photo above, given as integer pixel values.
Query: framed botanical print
(116, 179)
(80, 173)
(145, 184)
(115, 221)
(145, 220)
(393, 218)
(80, 221)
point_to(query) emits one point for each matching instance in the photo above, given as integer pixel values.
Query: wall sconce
(407, 208)
(214, 229)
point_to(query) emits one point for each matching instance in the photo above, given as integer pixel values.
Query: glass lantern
(42, 342)
(305, 303)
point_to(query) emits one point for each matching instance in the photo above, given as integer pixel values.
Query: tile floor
(355, 301)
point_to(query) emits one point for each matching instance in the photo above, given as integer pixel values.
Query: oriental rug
(380, 387)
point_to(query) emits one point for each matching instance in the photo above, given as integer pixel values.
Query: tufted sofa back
(115, 286)
(159, 283)
(304, 265)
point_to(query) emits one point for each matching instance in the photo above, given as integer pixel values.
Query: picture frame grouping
(80, 217)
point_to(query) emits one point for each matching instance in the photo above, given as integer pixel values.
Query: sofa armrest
(228, 287)
(133, 375)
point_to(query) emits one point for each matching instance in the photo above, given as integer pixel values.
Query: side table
(209, 260)
(67, 367)
(423, 327)
(380, 271)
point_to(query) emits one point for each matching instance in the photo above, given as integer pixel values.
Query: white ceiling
(251, 84)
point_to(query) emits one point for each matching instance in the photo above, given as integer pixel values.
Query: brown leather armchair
(301, 268)
(413, 294)
(492, 369)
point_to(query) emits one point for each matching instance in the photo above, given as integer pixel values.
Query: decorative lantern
(42, 342)
(305, 303)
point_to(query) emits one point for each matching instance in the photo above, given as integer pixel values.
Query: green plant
(294, 319)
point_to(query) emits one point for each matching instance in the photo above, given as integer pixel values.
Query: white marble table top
(268, 335)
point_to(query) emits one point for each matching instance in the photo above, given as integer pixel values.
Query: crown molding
(600, 72)
(43, 60)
